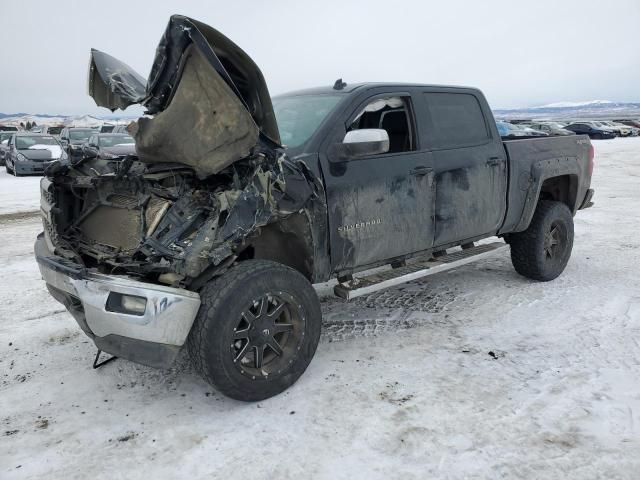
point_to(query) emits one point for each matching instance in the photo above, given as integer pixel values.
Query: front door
(380, 206)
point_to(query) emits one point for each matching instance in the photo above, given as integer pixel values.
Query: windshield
(23, 143)
(298, 117)
(112, 141)
(80, 134)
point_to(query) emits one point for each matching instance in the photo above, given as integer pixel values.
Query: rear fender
(543, 176)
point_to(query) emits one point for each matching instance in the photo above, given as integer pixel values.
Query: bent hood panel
(114, 84)
(204, 126)
(209, 100)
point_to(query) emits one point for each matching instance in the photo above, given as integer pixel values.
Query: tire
(597, 136)
(235, 323)
(542, 251)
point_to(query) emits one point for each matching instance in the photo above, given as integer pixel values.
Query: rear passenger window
(456, 120)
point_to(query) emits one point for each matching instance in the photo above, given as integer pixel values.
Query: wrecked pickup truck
(235, 204)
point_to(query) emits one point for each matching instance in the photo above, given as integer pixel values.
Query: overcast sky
(519, 53)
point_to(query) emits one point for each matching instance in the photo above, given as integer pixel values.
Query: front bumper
(153, 338)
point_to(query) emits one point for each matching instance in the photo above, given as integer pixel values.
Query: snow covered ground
(18, 194)
(476, 373)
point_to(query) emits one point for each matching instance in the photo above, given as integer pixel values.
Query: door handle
(421, 171)
(494, 161)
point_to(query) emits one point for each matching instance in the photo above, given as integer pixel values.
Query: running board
(389, 278)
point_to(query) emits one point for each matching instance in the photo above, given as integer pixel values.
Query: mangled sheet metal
(114, 84)
(209, 171)
(209, 102)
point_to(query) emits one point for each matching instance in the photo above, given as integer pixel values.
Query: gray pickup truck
(235, 204)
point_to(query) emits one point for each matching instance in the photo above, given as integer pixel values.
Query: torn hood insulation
(207, 101)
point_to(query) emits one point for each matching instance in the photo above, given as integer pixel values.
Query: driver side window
(390, 114)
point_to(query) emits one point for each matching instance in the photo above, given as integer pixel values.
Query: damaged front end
(209, 170)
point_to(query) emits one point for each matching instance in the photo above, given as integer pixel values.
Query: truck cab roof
(350, 88)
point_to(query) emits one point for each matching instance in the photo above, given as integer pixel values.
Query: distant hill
(603, 109)
(66, 120)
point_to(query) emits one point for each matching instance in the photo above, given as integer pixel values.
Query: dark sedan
(592, 130)
(109, 146)
(31, 153)
(73, 138)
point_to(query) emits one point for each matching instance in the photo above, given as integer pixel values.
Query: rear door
(470, 165)
(381, 206)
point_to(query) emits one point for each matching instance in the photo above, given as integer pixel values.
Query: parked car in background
(49, 130)
(4, 145)
(120, 129)
(589, 128)
(73, 138)
(31, 153)
(619, 129)
(551, 128)
(510, 130)
(8, 128)
(631, 123)
(109, 146)
(625, 130)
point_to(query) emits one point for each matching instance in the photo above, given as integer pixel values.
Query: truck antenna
(339, 85)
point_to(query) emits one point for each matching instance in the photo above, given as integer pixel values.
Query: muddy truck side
(211, 236)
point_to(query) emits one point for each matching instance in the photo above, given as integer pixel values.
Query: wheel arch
(562, 188)
(553, 179)
(288, 241)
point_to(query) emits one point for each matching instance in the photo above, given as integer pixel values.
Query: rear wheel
(542, 251)
(256, 331)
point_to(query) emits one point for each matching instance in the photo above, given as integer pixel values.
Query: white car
(621, 130)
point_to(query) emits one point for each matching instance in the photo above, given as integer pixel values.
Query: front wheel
(542, 251)
(256, 331)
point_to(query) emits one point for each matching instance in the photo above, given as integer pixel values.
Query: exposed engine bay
(161, 222)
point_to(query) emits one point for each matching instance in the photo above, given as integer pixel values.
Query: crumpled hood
(209, 101)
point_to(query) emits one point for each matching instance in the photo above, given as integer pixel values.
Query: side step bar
(389, 278)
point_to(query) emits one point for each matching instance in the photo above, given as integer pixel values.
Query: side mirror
(362, 143)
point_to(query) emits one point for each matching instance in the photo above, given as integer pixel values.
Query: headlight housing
(21, 158)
